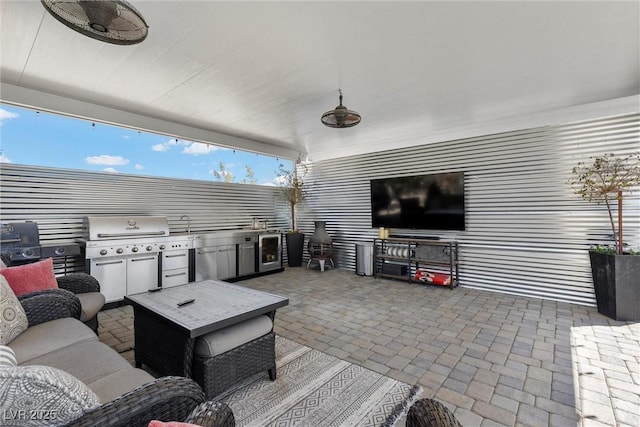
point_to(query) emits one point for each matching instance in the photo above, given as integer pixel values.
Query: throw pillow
(13, 319)
(7, 356)
(42, 396)
(27, 278)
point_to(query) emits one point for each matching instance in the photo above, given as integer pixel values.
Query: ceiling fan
(111, 21)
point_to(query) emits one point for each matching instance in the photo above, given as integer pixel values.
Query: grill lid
(125, 227)
(20, 234)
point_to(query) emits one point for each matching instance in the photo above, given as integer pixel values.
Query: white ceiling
(264, 72)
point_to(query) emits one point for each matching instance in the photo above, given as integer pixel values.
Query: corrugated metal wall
(58, 200)
(526, 232)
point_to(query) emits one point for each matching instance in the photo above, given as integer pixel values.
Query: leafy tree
(293, 188)
(223, 174)
(251, 175)
(604, 179)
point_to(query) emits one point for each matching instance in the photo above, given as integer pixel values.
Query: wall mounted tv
(422, 202)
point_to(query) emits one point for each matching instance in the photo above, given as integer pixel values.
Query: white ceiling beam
(16, 95)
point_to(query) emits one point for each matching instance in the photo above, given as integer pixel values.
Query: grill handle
(117, 235)
(109, 263)
(175, 274)
(11, 241)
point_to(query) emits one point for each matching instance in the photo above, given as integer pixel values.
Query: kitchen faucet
(188, 222)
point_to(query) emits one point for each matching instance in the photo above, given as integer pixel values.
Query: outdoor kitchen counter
(235, 254)
(228, 233)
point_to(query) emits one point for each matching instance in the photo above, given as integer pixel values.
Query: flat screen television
(420, 202)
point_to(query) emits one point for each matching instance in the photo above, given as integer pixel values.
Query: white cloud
(190, 147)
(7, 115)
(4, 159)
(165, 146)
(197, 148)
(112, 170)
(280, 181)
(105, 159)
(138, 166)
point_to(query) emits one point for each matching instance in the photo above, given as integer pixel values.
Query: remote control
(185, 302)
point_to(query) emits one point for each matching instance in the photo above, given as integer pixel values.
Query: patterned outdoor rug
(316, 389)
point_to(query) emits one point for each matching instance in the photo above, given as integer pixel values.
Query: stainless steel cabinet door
(226, 261)
(111, 273)
(206, 263)
(142, 274)
(246, 258)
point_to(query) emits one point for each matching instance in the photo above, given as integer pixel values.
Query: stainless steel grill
(123, 252)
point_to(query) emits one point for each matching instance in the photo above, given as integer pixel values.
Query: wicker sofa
(127, 396)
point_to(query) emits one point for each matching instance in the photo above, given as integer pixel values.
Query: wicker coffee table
(165, 333)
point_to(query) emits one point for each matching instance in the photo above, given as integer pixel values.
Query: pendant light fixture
(110, 21)
(340, 117)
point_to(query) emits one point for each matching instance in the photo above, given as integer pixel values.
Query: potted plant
(293, 190)
(615, 271)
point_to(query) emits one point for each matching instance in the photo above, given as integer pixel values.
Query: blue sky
(43, 139)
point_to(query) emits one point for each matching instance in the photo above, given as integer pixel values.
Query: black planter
(295, 244)
(615, 279)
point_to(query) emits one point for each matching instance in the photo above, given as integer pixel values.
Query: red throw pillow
(27, 278)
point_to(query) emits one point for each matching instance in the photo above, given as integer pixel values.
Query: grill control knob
(103, 252)
(28, 253)
(162, 247)
(149, 248)
(134, 249)
(119, 250)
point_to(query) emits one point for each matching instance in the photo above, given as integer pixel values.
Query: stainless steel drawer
(175, 259)
(175, 277)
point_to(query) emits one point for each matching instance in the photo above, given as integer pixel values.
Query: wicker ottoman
(224, 358)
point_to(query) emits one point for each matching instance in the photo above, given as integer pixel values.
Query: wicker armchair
(50, 304)
(430, 413)
(165, 399)
(87, 289)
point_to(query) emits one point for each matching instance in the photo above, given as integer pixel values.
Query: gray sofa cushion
(91, 303)
(46, 337)
(42, 396)
(118, 383)
(221, 341)
(87, 360)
